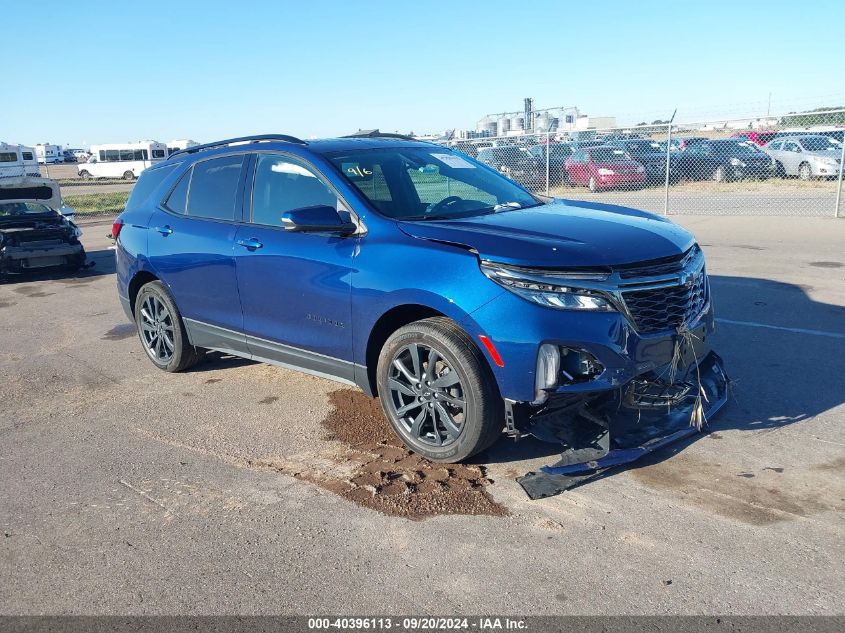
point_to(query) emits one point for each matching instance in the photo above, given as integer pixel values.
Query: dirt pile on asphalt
(391, 479)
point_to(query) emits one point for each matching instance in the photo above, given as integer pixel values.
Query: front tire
(592, 184)
(85, 175)
(128, 175)
(437, 391)
(162, 331)
(719, 174)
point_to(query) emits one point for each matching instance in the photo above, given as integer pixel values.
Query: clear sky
(95, 71)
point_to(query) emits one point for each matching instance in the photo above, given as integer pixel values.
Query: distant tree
(659, 122)
(813, 117)
(642, 123)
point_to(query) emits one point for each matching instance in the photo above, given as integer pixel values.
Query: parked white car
(806, 156)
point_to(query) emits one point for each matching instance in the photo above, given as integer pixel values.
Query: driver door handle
(250, 244)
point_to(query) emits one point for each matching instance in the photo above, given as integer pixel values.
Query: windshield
(819, 143)
(608, 155)
(9, 209)
(736, 147)
(423, 183)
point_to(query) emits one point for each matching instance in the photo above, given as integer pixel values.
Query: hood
(29, 189)
(561, 234)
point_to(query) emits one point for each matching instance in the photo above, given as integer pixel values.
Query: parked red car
(603, 168)
(761, 138)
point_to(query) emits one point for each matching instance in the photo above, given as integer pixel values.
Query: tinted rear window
(214, 188)
(148, 181)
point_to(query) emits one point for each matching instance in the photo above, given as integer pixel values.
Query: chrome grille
(667, 308)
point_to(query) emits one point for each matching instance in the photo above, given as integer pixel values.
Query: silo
(517, 123)
(504, 126)
(490, 127)
(542, 122)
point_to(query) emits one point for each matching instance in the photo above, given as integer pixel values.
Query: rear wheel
(592, 184)
(804, 171)
(437, 391)
(128, 175)
(719, 174)
(85, 175)
(162, 331)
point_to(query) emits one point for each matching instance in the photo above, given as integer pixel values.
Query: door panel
(194, 257)
(295, 288)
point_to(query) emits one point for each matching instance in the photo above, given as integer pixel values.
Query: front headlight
(602, 171)
(552, 290)
(737, 163)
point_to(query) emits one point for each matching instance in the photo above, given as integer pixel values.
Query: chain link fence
(772, 165)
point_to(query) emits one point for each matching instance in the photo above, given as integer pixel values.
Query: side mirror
(317, 219)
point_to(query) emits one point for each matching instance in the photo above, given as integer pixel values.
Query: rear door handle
(250, 244)
(164, 230)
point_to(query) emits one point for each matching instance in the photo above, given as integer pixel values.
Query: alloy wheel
(157, 330)
(426, 395)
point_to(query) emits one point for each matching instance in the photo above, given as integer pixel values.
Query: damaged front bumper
(617, 428)
(18, 259)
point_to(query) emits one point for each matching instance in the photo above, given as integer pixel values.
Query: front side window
(157, 153)
(213, 191)
(283, 184)
(422, 183)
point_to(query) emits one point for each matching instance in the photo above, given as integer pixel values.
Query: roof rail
(240, 139)
(378, 134)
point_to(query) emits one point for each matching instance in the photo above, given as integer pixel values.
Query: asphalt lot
(130, 491)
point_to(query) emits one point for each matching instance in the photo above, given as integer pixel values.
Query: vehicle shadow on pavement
(778, 376)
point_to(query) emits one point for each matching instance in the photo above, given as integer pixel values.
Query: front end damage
(624, 380)
(34, 233)
(600, 431)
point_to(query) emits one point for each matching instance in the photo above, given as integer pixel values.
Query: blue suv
(468, 305)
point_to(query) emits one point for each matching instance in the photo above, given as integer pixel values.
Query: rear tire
(161, 330)
(719, 174)
(447, 412)
(592, 184)
(128, 175)
(85, 175)
(804, 171)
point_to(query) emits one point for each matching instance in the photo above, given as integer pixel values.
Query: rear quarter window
(148, 182)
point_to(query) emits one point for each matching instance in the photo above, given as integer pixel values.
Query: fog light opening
(577, 365)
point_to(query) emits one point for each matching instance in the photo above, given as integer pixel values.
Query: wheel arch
(396, 317)
(141, 278)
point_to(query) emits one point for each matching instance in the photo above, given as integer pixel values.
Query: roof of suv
(320, 146)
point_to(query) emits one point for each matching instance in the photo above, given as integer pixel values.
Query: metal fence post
(668, 161)
(549, 151)
(839, 184)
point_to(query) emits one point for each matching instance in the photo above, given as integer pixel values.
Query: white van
(122, 160)
(47, 153)
(179, 144)
(17, 161)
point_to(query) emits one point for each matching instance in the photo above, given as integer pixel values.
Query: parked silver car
(806, 156)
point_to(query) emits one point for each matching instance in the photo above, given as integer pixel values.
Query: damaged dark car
(465, 303)
(36, 231)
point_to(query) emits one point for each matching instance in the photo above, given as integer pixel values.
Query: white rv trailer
(47, 153)
(122, 160)
(18, 160)
(177, 144)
